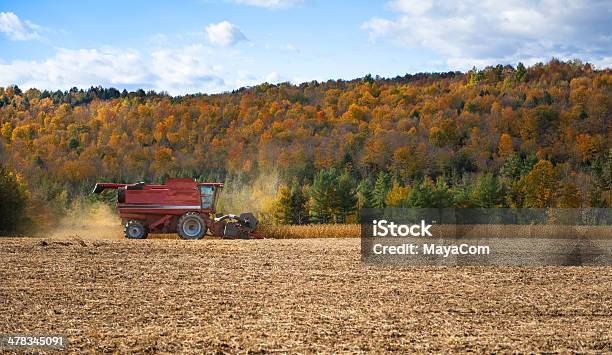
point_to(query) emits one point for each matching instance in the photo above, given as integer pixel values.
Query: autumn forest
(503, 136)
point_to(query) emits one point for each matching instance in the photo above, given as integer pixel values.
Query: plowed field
(299, 295)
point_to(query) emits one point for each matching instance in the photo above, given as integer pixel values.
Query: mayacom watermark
(486, 236)
(384, 228)
(431, 249)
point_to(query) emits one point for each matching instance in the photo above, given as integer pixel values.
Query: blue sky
(217, 45)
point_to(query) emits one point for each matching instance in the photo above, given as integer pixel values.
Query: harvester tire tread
(132, 226)
(192, 218)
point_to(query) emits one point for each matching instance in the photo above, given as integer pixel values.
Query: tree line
(499, 136)
(335, 197)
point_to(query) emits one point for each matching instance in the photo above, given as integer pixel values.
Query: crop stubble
(300, 295)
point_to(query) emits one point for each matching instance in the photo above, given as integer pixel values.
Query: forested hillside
(497, 137)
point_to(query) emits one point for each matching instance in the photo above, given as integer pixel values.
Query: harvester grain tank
(179, 205)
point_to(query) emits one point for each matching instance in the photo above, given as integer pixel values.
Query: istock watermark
(527, 237)
(384, 228)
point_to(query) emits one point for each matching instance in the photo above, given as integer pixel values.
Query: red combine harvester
(180, 205)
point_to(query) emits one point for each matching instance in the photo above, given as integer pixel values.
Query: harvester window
(207, 194)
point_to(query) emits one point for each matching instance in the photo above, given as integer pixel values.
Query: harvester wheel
(135, 230)
(191, 226)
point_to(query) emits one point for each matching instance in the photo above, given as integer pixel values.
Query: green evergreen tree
(421, 196)
(487, 192)
(381, 189)
(600, 192)
(441, 195)
(461, 196)
(13, 202)
(528, 163)
(347, 162)
(324, 199)
(513, 166)
(299, 214)
(521, 72)
(512, 171)
(347, 196)
(290, 205)
(364, 193)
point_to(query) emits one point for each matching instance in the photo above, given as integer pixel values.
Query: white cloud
(179, 70)
(473, 32)
(18, 30)
(271, 4)
(605, 62)
(224, 33)
(186, 70)
(411, 7)
(82, 68)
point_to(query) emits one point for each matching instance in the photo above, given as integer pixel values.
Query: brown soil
(300, 295)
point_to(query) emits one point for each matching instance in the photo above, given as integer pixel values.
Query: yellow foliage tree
(163, 160)
(397, 195)
(585, 145)
(569, 196)
(539, 186)
(505, 145)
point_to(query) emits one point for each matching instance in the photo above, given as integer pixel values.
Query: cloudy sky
(218, 45)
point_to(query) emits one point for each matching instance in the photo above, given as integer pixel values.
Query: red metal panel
(159, 206)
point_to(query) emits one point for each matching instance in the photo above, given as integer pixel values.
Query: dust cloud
(89, 221)
(257, 196)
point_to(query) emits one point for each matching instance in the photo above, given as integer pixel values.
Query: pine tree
(528, 163)
(487, 192)
(324, 200)
(461, 196)
(421, 196)
(346, 197)
(13, 202)
(441, 196)
(600, 192)
(521, 72)
(381, 189)
(299, 213)
(290, 205)
(512, 167)
(364, 193)
(347, 162)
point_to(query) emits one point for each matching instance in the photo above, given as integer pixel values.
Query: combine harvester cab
(180, 205)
